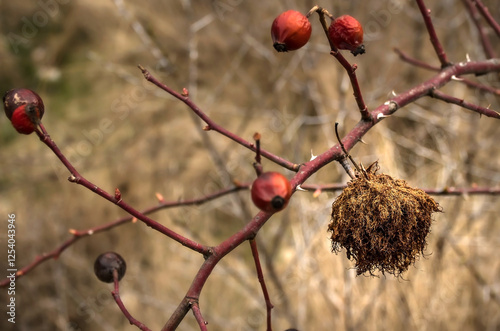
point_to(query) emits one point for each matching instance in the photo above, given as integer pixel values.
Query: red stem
(260, 276)
(405, 57)
(118, 300)
(350, 69)
(211, 125)
(199, 318)
(426, 13)
(456, 191)
(79, 179)
(79, 234)
(487, 47)
(486, 14)
(249, 231)
(448, 98)
(311, 167)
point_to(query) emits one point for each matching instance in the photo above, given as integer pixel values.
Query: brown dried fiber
(381, 222)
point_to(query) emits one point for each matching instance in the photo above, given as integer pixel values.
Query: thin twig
(486, 14)
(119, 302)
(350, 69)
(472, 84)
(309, 168)
(426, 14)
(260, 276)
(79, 179)
(485, 42)
(460, 102)
(195, 308)
(345, 152)
(79, 234)
(447, 191)
(211, 125)
(418, 63)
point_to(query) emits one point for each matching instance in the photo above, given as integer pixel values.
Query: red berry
(24, 108)
(346, 32)
(106, 263)
(290, 31)
(271, 191)
(14, 98)
(25, 118)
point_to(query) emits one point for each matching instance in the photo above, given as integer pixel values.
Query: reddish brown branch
(350, 69)
(249, 231)
(485, 42)
(195, 307)
(79, 234)
(479, 86)
(426, 14)
(460, 102)
(472, 84)
(211, 125)
(118, 300)
(260, 276)
(311, 167)
(79, 179)
(452, 191)
(486, 14)
(411, 60)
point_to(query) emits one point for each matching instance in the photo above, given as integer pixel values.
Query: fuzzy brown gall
(290, 31)
(346, 32)
(271, 191)
(381, 222)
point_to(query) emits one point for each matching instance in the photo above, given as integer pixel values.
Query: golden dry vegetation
(121, 132)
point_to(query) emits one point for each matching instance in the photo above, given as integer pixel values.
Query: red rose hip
(25, 118)
(24, 108)
(21, 96)
(290, 31)
(346, 32)
(271, 191)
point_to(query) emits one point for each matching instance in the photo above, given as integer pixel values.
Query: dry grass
(83, 63)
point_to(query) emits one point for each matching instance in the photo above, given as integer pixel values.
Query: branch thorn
(312, 156)
(299, 188)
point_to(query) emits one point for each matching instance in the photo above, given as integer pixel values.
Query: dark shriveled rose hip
(346, 32)
(106, 263)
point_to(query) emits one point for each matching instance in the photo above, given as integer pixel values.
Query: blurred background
(120, 131)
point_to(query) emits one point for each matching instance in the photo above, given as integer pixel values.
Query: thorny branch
(213, 255)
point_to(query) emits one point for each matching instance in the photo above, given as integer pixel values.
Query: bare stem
(448, 98)
(418, 63)
(79, 179)
(487, 15)
(426, 14)
(447, 191)
(350, 69)
(195, 307)
(211, 125)
(345, 152)
(248, 232)
(79, 234)
(472, 84)
(119, 302)
(487, 47)
(260, 276)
